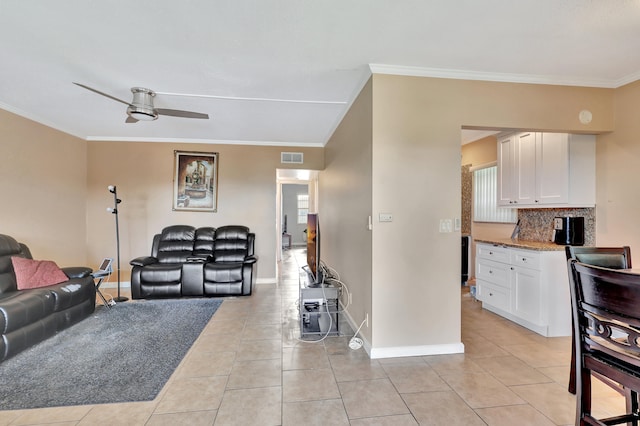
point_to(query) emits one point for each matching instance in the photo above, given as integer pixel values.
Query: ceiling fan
(141, 107)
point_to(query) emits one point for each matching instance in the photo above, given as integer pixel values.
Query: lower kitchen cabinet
(529, 287)
(527, 295)
(496, 296)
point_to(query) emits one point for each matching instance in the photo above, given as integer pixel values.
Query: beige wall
(345, 205)
(43, 189)
(416, 270)
(55, 191)
(617, 177)
(416, 177)
(143, 174)
(482, 151)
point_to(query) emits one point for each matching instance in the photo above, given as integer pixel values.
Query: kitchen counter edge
(522, 244)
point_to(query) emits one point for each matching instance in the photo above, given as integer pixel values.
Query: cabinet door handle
(524, 259)
(490, 271)
(490, 253)
(512, 268)
(490, 294)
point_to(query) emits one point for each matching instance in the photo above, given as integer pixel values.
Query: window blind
(303, 208)
(485, 198)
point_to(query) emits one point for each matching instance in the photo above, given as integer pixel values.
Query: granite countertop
(523, 244)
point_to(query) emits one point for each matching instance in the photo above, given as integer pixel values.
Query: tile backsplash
(467, 194)
(537, 224)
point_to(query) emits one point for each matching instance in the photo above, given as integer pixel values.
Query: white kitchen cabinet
(529, 287)
(553, 168)
(527, 294)
(493, 295)
(506, 170)
(525, 167)
(546, 170)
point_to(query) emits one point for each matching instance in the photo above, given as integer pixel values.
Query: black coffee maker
(569, 231)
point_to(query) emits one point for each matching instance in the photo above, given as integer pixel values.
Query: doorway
(297, 195)
(295, 207)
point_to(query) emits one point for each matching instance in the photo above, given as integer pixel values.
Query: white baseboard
(111, 284)
(266, 280)
(403, 351)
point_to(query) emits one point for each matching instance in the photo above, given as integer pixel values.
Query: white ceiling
(315, 52)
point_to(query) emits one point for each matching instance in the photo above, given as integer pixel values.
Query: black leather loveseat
(31, 315)
(186, 261)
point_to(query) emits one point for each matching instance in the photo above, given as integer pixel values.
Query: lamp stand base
(120, 299)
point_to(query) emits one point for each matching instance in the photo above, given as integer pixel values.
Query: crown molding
(501, 77)
(628, 79)
(203, 141)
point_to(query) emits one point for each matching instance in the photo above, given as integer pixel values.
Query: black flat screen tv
(313, 249)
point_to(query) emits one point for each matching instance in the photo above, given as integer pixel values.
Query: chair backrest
(233, 243)
(203, 244)
(175, 244)
(606, 257)
(605, 313)
(9, 248)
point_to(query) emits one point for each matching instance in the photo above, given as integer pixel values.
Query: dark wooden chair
(606, 257)
(607, 332)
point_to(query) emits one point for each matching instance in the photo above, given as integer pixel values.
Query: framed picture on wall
(195, 181)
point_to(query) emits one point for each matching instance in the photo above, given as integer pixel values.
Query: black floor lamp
(114, 210)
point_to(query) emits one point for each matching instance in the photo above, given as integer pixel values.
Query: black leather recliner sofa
(32, 315)
(186, 261)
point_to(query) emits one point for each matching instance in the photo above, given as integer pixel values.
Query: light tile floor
(249, 368)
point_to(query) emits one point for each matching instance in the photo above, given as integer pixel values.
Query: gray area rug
(126, 353)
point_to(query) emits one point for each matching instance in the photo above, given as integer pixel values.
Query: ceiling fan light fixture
(141, 108)
(142, 114)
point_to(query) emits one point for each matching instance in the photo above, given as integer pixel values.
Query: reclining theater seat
(32, 315)
(186, 261)
(160, 275)
(232, 268)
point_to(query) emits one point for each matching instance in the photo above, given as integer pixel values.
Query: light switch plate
(446, 225)
(385, 217)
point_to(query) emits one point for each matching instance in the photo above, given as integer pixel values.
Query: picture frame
(195, 181)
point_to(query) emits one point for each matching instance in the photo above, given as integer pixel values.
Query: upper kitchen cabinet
(546, 170)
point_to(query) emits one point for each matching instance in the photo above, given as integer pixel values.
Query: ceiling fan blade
(101, 93)
(130, 119)
(180, 113)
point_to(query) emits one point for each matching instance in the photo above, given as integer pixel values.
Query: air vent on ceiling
(291, 157)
